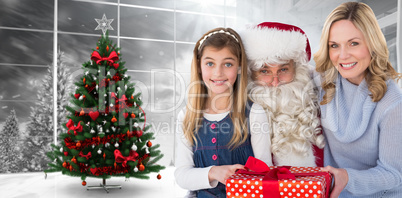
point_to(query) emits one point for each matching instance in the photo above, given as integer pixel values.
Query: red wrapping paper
(285, 182)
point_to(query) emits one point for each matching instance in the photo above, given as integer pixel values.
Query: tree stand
(104, 186)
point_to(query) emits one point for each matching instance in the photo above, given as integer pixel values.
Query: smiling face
(219, 68)
(348, 51)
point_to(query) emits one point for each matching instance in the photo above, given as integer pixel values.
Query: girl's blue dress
(212, 150)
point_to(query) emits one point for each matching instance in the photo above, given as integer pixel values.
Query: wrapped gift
(259, 180)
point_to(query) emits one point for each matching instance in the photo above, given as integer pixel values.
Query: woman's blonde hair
(218, 38)
(379, 69)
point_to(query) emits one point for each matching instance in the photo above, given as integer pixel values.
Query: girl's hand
(341, 179)
(221, 173)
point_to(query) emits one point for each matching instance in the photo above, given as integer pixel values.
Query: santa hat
(272, 41)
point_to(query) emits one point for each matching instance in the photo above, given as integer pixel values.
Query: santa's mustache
(300, 91)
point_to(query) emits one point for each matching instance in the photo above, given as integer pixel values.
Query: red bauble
(71, 168)
(133, 115)
(159, 176)
(141, 167)
(149, 144)
(107, 48)
(65, 153)
(78, 144)
(64, 164)
(114, 119)
(84, 183)
(138, 133)
(74, 160)
(97, 47)
(83, 80)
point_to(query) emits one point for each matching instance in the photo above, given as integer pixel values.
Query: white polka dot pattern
(244, 185)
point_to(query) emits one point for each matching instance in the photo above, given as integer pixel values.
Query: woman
(361, 109)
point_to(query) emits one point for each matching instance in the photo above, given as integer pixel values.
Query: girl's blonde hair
(218, 38)
(379, 69)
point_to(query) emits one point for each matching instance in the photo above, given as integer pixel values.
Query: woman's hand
(221, 173)
(341, 179)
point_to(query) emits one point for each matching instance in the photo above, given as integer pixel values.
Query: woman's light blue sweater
(365, 138)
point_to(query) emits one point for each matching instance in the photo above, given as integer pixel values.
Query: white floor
(34, 185)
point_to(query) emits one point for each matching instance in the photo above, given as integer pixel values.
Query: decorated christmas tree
(106, 134)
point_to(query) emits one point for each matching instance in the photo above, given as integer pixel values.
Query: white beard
(293, 116)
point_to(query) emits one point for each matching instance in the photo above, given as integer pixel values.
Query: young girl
(214, 138)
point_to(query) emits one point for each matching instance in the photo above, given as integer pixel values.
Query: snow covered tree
(9, 150)
(64, 88)
(40, 126)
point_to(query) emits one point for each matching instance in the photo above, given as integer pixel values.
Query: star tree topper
(104, 24)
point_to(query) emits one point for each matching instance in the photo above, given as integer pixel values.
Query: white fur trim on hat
(264, 45)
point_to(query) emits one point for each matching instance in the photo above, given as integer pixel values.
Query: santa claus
(280, 81)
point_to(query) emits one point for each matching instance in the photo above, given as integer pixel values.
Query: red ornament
(65, 153)
(149, 144)
(84, 96)
(78, 144)
(86, 86)
(132, 97)
(104, 155)
(114, 119)
(64, 164)
(159, 176)
(71, 168)
(138, 133)
(141, 167)
(132, 115)
(84, 183)
(116, 65)
(94, 115)
(107, 48)
(83, 80)
(97, 47)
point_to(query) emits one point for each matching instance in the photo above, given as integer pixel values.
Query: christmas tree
(9, 150)
(106, 134)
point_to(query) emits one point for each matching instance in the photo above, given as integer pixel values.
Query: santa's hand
(221, 173)
(341, 179)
